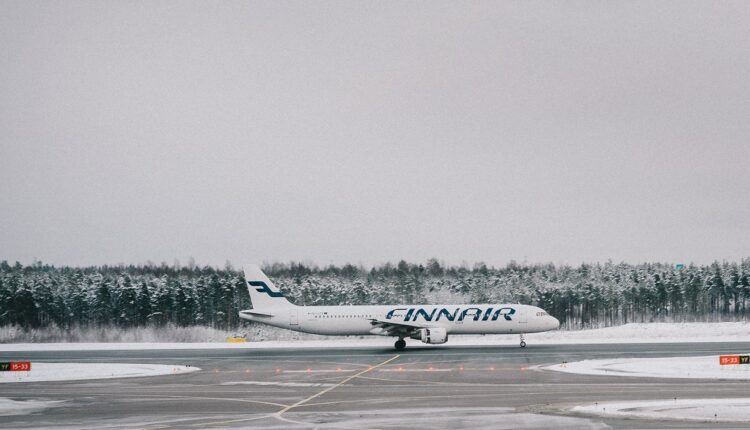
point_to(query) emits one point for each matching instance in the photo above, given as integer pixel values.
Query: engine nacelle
(432, 336)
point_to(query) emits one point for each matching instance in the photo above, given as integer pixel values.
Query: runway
(422, 387)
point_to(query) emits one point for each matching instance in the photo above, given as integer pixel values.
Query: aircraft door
(293, 317)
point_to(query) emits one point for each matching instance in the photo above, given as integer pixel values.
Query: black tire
(400, 344)
(523, 344)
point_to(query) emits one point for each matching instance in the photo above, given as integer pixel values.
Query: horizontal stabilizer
(255, 313)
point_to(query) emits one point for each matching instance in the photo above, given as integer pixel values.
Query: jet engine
(433, 336)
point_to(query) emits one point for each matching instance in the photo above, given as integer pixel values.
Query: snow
(496, 418)
(80, 371)
(704, 367)
(22, 407)
(651, 333)
(629, 333)
(712, 410)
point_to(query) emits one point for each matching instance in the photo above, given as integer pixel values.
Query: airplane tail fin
(263, 293)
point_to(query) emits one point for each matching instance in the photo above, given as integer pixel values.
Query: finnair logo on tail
(261, 287)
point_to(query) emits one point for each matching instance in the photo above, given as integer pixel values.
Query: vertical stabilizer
(263, 293)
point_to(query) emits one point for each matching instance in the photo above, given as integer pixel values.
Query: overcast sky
(365, 132)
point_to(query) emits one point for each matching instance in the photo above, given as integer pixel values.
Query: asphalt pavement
(441, 387)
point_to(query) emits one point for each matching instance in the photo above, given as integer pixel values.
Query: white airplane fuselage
(456, 319)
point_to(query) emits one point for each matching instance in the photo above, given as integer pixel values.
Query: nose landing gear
(400, 344)
(523, 341)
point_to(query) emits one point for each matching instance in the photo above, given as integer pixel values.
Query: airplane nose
(555, 323)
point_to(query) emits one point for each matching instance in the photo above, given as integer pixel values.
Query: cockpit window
(541, 314)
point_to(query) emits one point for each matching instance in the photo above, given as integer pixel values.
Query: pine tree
(143, 304)
(103, 309)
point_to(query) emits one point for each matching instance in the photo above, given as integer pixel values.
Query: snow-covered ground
(705, 367)
(22, 407)
(707, 410)
(79, 371)
(495, 418)
(629, 333)
(652, 333)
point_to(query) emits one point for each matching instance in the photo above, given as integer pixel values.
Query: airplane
(430, 324)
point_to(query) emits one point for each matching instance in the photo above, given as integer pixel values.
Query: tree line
(590, 295)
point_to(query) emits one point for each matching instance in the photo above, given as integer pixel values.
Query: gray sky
(367, 132)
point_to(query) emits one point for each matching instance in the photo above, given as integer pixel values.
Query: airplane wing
(392, 328)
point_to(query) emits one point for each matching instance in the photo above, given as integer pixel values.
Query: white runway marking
(279, 414)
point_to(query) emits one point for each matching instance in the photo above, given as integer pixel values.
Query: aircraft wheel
(400, 344)
(523, 344)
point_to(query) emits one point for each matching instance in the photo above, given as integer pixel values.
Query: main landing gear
(400, 344)
(523, 341)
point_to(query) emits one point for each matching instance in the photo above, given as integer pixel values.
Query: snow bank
(706, 410)
(80, 371)
(18, 407)
(165, 333)
(705, 367)
(495, 418)
(654, 333)
(629, 333)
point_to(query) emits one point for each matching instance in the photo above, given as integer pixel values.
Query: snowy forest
(586, 296)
